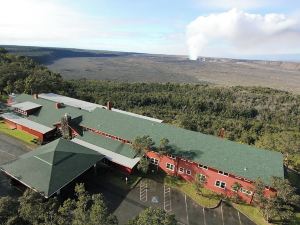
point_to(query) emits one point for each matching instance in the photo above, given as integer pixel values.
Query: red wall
(211, 176)
(35, 133)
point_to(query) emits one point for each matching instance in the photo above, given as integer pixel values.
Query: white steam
(237, 32)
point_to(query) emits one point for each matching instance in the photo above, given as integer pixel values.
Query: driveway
(10, 149)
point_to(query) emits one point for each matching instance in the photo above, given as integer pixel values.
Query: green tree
(200, 181)
(8, 208)
(142, 144)
(143, 165)
(236, 187)
(153, 216)
(164, 147)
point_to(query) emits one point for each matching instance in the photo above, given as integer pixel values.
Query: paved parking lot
(10, 149)
(150, 193)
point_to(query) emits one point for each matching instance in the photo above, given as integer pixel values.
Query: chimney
(109, 105)
(57, 105)
(36, 96)
(221, 133)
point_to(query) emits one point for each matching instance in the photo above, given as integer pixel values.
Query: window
(172, 156)
(223, 173)
(202, 166)
(170, 166)
(220, 184)
(245, 191)
(181, 170)
(188, 172)
(154, 161)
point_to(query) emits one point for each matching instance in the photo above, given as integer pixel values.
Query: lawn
(21, 135)
(252, 213)
(208, 198)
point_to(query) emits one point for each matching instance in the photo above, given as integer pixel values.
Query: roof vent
(245, 168)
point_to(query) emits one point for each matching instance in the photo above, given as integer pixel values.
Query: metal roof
(25, 106)
(69, 101)
(49, 115)
(238, 159)
(26, 122)
(88, 105)
(52, 166)
(110, 152)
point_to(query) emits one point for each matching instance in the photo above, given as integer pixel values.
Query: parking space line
(222, 213)
(143, 191)
(167, 199)
(239, 217)
(8, 153)
(186, 209)
(204, 216)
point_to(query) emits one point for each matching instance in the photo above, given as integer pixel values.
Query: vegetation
(21, 135)
(32, 208)
(279, 206)
(153, 216)
(262, 117)
(142, 144)
(143, 165)
(206, 199)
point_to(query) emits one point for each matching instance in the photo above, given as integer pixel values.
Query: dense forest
(263, 117)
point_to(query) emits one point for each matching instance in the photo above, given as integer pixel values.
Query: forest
(263, 117)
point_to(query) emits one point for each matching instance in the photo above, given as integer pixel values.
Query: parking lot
(128, 203)
(10, 149)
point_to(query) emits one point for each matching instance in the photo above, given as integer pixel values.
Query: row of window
(221, 184)
(181, 170)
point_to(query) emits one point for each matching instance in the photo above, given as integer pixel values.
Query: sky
(263, 29)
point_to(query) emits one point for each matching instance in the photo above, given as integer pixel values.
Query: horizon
(237, 29)
(287, 58)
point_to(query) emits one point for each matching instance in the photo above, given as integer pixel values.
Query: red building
(110, 132)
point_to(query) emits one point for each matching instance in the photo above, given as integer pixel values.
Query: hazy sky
(220, 28)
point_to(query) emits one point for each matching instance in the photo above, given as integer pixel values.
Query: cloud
(244, 4)
(236, 32)
(40, 21)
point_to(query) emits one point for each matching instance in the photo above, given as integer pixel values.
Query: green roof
(109, 144)
(238, 159)
(52, 166)
(48, 115)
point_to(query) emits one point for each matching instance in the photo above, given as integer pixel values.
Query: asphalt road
(10, 149)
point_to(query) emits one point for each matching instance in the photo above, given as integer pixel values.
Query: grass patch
(207, 199)
(21, 135)
(252, 212)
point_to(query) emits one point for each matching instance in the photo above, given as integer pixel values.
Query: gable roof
(88, 105)
(237, 159)
(52, 166)
(48, 114)
(27, 123)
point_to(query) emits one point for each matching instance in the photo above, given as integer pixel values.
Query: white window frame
(154, 161)
(202, 166)
(181, 170)
(223, 173)
(171, 165)
(220, 184)
(246, 192)
(190, 172)
(172, 156)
